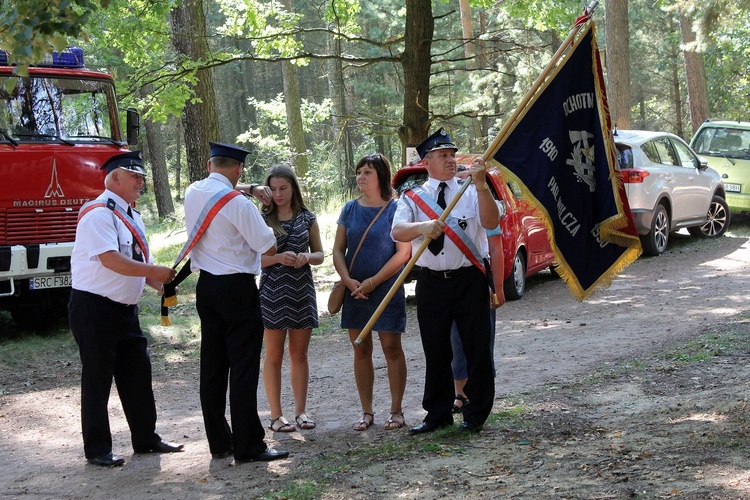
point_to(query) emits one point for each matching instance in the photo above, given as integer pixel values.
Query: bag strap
(362, 240)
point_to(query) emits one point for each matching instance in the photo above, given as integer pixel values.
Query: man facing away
(228, 259)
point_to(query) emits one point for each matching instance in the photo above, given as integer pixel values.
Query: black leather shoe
(222, 454)
(106, 460)
(161, 447)
(266, 456)
(467, 427)
(425, 427)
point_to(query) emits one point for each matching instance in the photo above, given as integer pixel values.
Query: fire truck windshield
(58, 109)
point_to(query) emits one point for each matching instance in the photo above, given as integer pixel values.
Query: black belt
(205, 273)
(450, 273)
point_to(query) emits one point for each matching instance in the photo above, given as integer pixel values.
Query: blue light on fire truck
(72, 57)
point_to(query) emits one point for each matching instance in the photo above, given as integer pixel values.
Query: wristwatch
(484, 187)
(250, 189)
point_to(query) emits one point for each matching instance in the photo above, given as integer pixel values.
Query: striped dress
(287, 295)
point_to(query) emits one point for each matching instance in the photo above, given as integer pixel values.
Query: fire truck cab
(58, 125)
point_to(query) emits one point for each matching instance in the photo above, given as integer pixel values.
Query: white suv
(669, 187)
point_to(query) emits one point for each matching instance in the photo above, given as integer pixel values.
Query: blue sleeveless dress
(377, 249)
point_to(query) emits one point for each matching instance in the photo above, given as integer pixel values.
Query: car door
(673, 177)
(694, 187)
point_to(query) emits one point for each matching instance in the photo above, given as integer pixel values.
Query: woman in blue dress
(287, 294)
(375, 269)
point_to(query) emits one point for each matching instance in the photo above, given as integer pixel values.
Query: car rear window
(624, 156)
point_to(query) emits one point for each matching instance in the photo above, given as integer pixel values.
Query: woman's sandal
(284, 425)
(395, 421)
(304, 421)
(363, 424)
(463, 400)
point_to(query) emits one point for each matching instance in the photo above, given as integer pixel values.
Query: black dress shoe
(161, 447)
(222, 454)
(266, 456)
(106, 460)
(467, 427)
(425, 427)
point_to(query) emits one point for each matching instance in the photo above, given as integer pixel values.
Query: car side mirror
(702, 164)
(133, 125)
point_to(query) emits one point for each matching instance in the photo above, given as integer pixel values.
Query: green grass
(706, 347)
(300, 489)
(514, 417)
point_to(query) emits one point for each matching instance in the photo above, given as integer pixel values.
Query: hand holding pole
(407, 268)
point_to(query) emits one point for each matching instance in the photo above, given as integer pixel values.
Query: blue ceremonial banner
(560, 149)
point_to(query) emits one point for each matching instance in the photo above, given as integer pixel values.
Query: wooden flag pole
(538, 82)
(501, 136)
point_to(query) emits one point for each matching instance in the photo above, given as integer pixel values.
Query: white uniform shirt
(235, 238)
(100, 231)
(467, 209)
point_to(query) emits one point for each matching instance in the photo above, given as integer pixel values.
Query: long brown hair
(271, 211)
(383, 168)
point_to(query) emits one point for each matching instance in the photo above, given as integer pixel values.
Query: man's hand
(162, 274)
(262, 193)
(432, 228)
(478, 171)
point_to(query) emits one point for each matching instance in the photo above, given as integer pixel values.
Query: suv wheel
(717, 220)
(655, 242)
(515, 285)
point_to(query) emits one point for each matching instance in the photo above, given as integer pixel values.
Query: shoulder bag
(336, 299)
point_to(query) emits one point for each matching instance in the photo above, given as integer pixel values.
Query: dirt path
(587, 405)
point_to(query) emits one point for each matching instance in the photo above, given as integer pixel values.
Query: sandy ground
(609, 398)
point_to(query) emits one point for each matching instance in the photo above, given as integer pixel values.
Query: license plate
(56, 281)
(732, 188)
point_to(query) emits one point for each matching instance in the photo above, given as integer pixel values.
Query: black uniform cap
(438, 140)
(228, 150)
(129, 161)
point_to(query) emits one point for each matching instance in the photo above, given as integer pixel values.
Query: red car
(526, 249)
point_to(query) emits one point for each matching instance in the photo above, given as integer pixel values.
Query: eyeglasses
(375, 157)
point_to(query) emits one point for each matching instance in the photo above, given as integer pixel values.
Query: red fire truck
(58, 125)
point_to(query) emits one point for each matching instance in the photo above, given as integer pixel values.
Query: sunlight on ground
(700, 417)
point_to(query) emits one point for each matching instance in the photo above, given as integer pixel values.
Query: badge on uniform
(463, 224)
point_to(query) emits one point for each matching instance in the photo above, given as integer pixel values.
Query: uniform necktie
(436, 245)
(135, 250)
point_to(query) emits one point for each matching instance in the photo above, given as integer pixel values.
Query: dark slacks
(231, 342)
(111, 344)
(463, 298)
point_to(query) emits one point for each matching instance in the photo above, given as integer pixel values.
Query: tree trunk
(178, 160)
(618, 62)
(676, 93)
(159, 176)
(467, 29)
(294, 113)
(201, 124)
(294, 118)
(416, 61)
(339, 118)
(695, 73)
